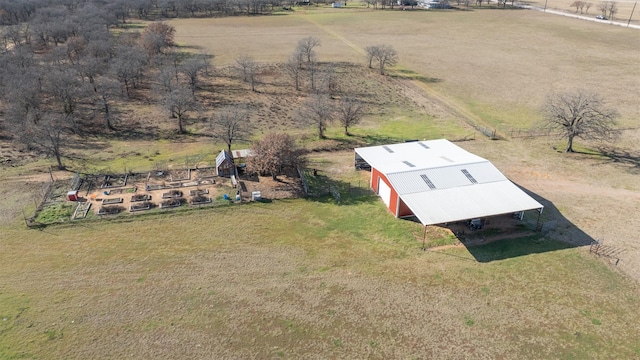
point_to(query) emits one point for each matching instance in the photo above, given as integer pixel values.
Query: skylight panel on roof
(468, 175)
(408, 164)
(427, 181)
(388, 149)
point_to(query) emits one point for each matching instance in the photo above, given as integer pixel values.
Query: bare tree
(292, 68)
(248, 68)
(386, 56)
(49, 136)
(129, 66)
(372, 53)
(330, 79)
(167, 79)
(612, 8)
(231, 124)
(273, 153)
(179, 102)
(65, 86)
(23, 94)
(106, 89)
(580, 114)
(588, 5)
(578, 5)
(317, 110)
(192, 68)
(156, 37)
(603, 6)
(313, 68)
(350, 112)
(306, 46)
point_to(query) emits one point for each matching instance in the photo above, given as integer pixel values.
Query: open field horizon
(502, 73)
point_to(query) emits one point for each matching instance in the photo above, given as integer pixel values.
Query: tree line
(67, 69)
(13, 12)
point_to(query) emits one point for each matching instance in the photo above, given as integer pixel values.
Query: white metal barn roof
(441, 182)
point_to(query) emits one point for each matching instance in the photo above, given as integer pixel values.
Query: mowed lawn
(302, 279)
(496, 64)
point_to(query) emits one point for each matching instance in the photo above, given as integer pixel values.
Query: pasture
(497, 65)
(309, 278)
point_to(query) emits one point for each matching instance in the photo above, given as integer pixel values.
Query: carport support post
(538, 222)
(424, 237)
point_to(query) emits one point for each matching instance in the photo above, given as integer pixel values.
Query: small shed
(72, 195)
(224, 164)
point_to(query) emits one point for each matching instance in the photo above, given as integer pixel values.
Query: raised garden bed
(154, 187)
(112, 201)
(200, 199)
(172, 194)
(123, 190)
(175, 202)
(197, 192)
(141, 206)
(110, 210)
(140, 197)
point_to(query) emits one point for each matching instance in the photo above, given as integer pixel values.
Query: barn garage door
(384, 191)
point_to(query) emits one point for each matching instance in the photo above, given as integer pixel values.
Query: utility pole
(632, 10)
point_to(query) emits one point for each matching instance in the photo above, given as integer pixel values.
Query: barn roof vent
(424, 146)
(388, 149)
(408, 164)
(471, 178)
(427, 181)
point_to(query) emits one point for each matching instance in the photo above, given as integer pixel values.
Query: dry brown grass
(311, 279)
(498, 64)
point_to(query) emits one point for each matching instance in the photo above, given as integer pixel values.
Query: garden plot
(171, 203)
(153, 190)
(141, 206)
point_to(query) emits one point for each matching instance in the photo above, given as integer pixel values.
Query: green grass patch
(55, 213)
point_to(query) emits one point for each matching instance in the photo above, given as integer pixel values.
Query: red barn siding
(403, 209)
(394, 199)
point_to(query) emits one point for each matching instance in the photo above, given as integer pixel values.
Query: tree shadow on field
(622, 157)
(412, 75)
(505, 237)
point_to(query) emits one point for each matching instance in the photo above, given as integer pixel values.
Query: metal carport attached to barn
(438, 182)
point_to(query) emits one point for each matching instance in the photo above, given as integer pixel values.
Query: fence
(39, 200)
(531, 133)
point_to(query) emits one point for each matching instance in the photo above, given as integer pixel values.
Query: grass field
(299, 279)
(309, 278)
(497, 64)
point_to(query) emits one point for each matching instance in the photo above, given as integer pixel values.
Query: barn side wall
(393, 202)
(403, 209)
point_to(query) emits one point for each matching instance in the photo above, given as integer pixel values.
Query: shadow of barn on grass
(510, 238)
